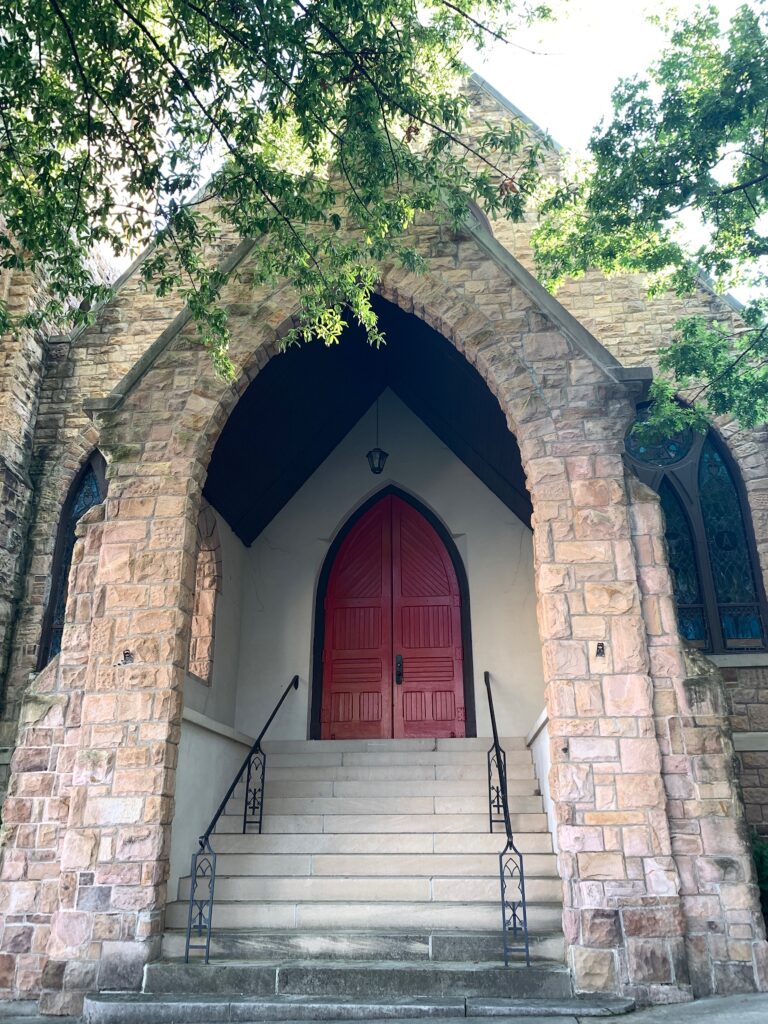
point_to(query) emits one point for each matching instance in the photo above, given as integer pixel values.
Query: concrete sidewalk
(751, 1009)
(743, 1009)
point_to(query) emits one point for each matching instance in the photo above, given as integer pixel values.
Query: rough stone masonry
(659, 886)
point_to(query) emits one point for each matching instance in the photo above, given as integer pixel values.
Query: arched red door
(392, 654)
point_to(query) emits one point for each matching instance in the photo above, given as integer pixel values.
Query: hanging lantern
(377, 456)
(376, 459)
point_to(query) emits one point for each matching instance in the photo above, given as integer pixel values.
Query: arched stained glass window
(88, 489)
(718, 588)
(729, 556)
(692, 618)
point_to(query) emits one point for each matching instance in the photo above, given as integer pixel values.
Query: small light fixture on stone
(127, 659)
(377, 456)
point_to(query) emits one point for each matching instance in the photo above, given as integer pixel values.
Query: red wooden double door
(392, 655)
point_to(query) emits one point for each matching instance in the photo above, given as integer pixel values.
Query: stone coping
(755, 659)
(211, 725)
(540, 723)
(747, 741)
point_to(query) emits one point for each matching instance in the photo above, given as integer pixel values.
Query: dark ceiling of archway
(305, 401)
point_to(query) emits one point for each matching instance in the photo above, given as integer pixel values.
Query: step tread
(368, 981)
(322, 865)
(482, 743)
(281, 824)
(348, 843)
(237, 1007)
(379, 916)
(332, 965)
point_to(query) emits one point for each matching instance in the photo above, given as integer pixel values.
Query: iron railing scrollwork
(203, 870)
(514, 913)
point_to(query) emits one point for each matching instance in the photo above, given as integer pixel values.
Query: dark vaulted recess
(305, 401)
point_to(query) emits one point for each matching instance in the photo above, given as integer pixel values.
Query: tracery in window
(685, 573)
(661, 453)
(207, 588)
(717, 586)
(88, 489)
(734, 583)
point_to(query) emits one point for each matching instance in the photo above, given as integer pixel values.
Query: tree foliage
(318, 128)
(685, 155)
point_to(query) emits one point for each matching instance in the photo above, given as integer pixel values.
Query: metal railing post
(514, 912)
(202, 880)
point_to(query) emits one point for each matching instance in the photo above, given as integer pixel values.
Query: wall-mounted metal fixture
(600, 649)
(377, 456)
(127, 659)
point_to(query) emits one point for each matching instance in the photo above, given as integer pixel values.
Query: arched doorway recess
(392, 650)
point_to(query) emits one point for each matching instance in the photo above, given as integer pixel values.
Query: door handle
(399, 669)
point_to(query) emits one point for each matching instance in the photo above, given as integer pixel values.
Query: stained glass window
(685, 573)
(87, 494)
(729, 556)
(660, 453)
(718, 590)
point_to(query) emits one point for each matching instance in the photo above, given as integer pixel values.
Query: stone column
(21, 371)
(725, 934)
(623, 920)
(37, 807)
(106, 794)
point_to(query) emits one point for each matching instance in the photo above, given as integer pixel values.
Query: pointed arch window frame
(62, 551)
(682, 477)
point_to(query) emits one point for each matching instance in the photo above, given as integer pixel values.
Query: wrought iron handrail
(514, 913)
(203, 869)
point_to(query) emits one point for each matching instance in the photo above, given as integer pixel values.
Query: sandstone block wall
(659, 898)
(103, 793)
(747, 696)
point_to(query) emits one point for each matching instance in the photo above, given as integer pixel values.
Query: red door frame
(319, 625)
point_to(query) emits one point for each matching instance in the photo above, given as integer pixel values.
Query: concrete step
(420, 915)
(368, 823)
(392, 889)
(429, 864)
(455, 788)
(384, 772)
(457, 743)
(369, 981)
(369, 758)
(471, 947)
(476, 803)
(132, 1008)
(385, 843)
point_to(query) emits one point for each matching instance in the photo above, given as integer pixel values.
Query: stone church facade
(657, 750)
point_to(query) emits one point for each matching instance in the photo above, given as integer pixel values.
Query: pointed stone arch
(569, 409)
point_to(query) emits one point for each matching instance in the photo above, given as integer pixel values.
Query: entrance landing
(372, 893)
(377, 836)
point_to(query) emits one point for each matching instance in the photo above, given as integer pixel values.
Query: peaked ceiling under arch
(306, 400)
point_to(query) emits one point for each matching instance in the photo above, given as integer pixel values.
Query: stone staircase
(372, 893)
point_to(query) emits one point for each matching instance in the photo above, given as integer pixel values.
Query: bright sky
(566, 87)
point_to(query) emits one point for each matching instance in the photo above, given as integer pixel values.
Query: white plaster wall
(207, 759)
(539, 745)
(280, 572)
(207, 764)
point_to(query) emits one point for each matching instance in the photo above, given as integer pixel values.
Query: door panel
(357, 651)
(426, 620)
(392, 656)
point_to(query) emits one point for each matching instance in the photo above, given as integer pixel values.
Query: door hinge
(461, 715)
